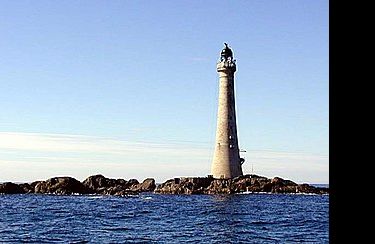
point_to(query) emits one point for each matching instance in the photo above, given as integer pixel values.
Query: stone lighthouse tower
(226, 162)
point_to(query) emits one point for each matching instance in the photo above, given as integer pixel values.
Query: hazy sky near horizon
(129, 89)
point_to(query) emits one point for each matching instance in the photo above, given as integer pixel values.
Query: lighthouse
(227, 162)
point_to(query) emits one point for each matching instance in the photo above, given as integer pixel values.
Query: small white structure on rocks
(226, 161)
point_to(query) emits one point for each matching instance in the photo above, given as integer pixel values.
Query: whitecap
(95, 197)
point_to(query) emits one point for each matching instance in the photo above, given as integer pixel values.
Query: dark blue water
(152, 218)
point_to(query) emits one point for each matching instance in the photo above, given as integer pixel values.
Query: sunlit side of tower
(226, 161)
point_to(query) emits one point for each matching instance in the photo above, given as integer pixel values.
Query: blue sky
(129, 88)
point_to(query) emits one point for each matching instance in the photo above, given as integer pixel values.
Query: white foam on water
(95, 197)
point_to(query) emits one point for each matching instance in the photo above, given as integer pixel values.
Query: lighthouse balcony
(226, 65)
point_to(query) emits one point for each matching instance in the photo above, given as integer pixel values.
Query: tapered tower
(226, 162)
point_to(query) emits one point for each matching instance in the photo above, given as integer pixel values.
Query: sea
(156, 218)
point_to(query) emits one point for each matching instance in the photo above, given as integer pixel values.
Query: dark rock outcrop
(148, 185)
(101, 185)
(27, 188)
(96, 184)
(61, 185)
(11, 188)
(184, 185)
(246, 183)
(219, 186)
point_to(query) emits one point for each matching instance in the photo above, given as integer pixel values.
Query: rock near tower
(226, 161)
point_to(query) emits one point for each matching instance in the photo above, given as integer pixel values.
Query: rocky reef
(96, 184)
(245, 183)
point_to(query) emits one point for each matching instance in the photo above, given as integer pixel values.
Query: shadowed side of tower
(226, 161)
